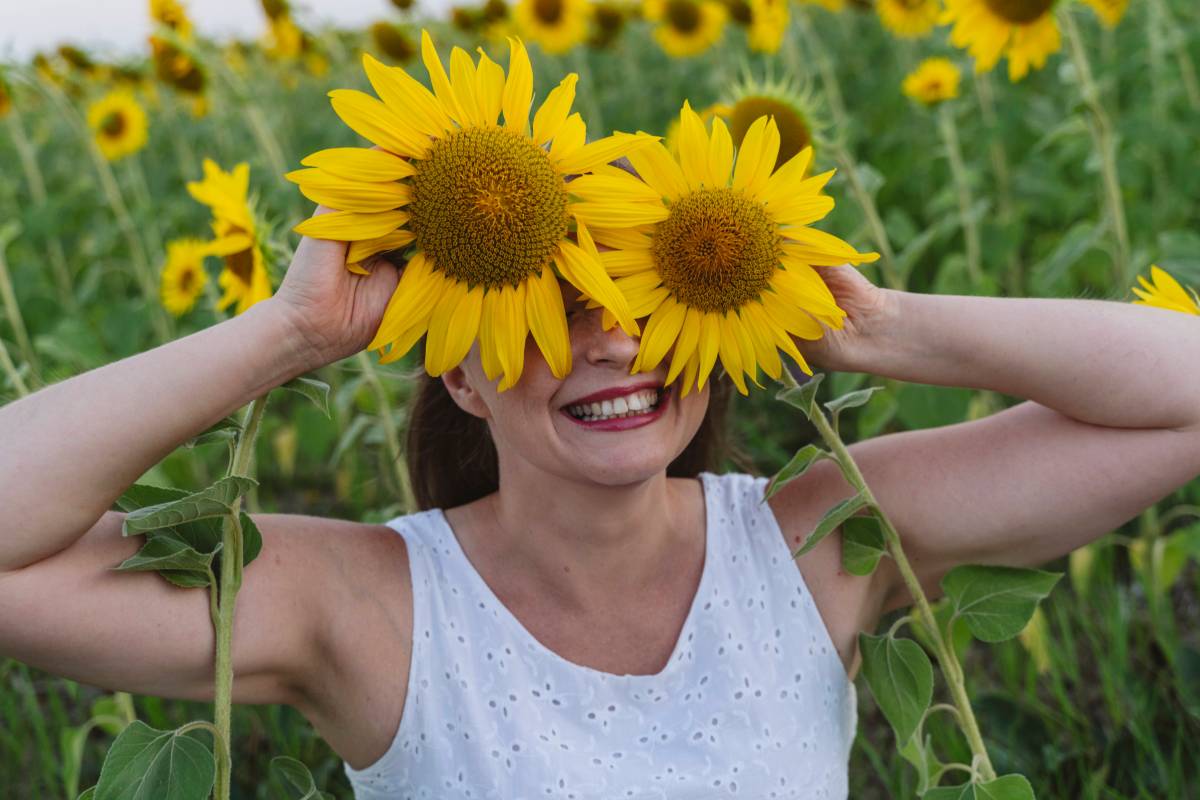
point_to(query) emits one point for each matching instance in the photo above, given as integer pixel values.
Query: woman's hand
(335, 311)
(869, 309)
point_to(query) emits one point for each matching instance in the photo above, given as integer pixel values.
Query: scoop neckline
(537, 645)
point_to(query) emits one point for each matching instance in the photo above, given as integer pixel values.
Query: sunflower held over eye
(487, 206)
(245, 278)
(933, 81)
(685, 27)
(726, 270)
(556, 25)
(1165, 292)
(183, 275)
(118, 124)
(909, 19)
(1022, 30)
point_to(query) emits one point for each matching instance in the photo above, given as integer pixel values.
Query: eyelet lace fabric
(754, 701)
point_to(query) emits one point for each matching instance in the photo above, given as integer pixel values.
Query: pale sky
(117, 26)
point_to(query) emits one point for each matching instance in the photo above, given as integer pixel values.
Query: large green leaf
(296, 779)
(315, 390)
(862, 544)
(802, 396)
(213, 501)
(167, 550)
(833, 517)
(901, 680)
(223, 430)
(996, 602)
(148, 764)
(1007, 787)
(805, 457)
(140, 495)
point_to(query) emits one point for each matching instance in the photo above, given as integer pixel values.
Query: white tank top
(754, 701)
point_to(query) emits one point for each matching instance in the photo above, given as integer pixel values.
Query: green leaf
(315, 390)
(996, 602)
(211, 502)
(148, 764)
(296, 779)
(141, 495)
(88, 794)
(166, 550)
(924, 406)
(251, 539)
(804, 458)
(1007, 787)
(921, 756)
(901, 680)
(833, 517)
(185, 580)
(873, 418)
(852, 399)
(862, 544)
(802, 397)
(224, 430)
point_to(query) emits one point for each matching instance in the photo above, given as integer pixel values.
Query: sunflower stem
(1101, 130)
(987, 107)
(230, 582)
(10, 370)
(390, 433)
(949, 130)
(947, 659)
(141, 192)
(37, 191)
(12, 309)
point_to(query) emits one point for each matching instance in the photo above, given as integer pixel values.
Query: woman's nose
(599, 346)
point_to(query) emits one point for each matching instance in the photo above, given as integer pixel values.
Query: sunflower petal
(618, 214)
(514, 329)
(362, 250)
(587, 275)
(349, 195)
(415, 296)
(548, 321)
(489, 88)
(661, 331)
(570, 137)
(613, 188)
(518, 88)
(730, 353)
(821, 249)
(360, 164)
(438, 79)
(374, 121)
(756, 324)
(656, 166)
(619, 263)
(720, 153)
(710, 336)
(781, 186)
(452, 329)
(405, 95)
(757, 155)
(489, 335)
(602, 151)
(693, 148)
(553, 112)
(349, 226)
(685, 344)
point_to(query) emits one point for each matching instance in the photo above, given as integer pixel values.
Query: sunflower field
(1018, 148)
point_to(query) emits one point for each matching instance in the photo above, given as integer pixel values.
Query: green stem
(947, 660)
(390, 434)
(141, 190)
(949, 131)
(1101, 130)
(231, 582)
(987, 107)
(11, 371)
(12, 309)
(219, 743)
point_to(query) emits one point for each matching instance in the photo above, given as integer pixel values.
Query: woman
(595, 628)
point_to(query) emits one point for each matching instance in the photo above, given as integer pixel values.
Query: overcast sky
(122, 25)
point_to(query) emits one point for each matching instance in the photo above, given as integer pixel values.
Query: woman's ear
(462, 391)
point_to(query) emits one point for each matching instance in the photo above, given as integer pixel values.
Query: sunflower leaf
(297, 779)
(833, 517)
(1006, 787)
(850, 400)
(315, 390)
(797, 466)
(224, 430)
(901, 680)
(213, 501)
(148, 764)
(802, 397)
(996, 602)
(167, 550)
(863, 544)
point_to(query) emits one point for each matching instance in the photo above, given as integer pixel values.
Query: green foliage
(1006, 787)
(996, 602)
(213, 501)
(901, 680)
(862, 544)
(148, 764)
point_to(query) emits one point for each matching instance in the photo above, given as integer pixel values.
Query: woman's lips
(625, 423)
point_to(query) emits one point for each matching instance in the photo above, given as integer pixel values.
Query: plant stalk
(949, 131)
(12, 310)
(390, 433)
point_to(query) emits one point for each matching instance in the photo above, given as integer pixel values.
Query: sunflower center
(1019, 12)
(186, 279)
(548, 11)
(716, 250)
(113, 124)
(488, 207)
(794, 134)
(684, 15)
(241, 263)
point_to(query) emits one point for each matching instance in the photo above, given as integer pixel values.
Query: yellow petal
(782, 185)
(602, 151)
(448, 326)
(514, 328)
(690, 370)
(439, 80)
(619, 263)
(757, 155)
(685, 344)
(790, 317)
(349, 195)
(755, 321)
(407, 338)
(819, 248)
(360, 164)
(730, 353)
(414, 298)
(618, 214)
(489, 333)
(623, 238)
(553, 112)
(662, 329)
(349, 226)
(741, 336)
(656, 167)
(489, 88)
(374, 121)
(587, 275)
(518, 88)
(613, 188)
(362, 250)
(405, 95)
(570, 137)
(693, 150)
(720, 153)
(548, 321)
(462, 78)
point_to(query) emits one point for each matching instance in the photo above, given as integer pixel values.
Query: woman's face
(538, 420)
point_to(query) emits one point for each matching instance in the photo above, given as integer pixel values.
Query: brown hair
(452, 460)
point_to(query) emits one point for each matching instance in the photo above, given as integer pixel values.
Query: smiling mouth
(637, 404)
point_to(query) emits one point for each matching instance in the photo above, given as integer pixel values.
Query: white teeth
(619, 406)
(637, 402)
(626, 406)
(606, 407)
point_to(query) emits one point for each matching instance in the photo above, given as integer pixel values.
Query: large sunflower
(685, 27)
(488, 207)
(726, 271)
(1022, 30)
(245, 277)
(183, 274)
(1165, 292)
(556, 25)
(118, 124)
(909, 19)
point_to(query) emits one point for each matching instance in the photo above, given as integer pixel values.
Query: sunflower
(768, 23)
(792, 105)
(1109, 11)
(909, 19)
(488, 207)
(726, 271)
(685, 27)
(171, 14)
(183, 275)
(556, 25)
(934, 80)
(245, 277)
(284, 39)
(393, 41)
(1165, 292)
(118, 124)
(608, 20)
(1022, 30)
